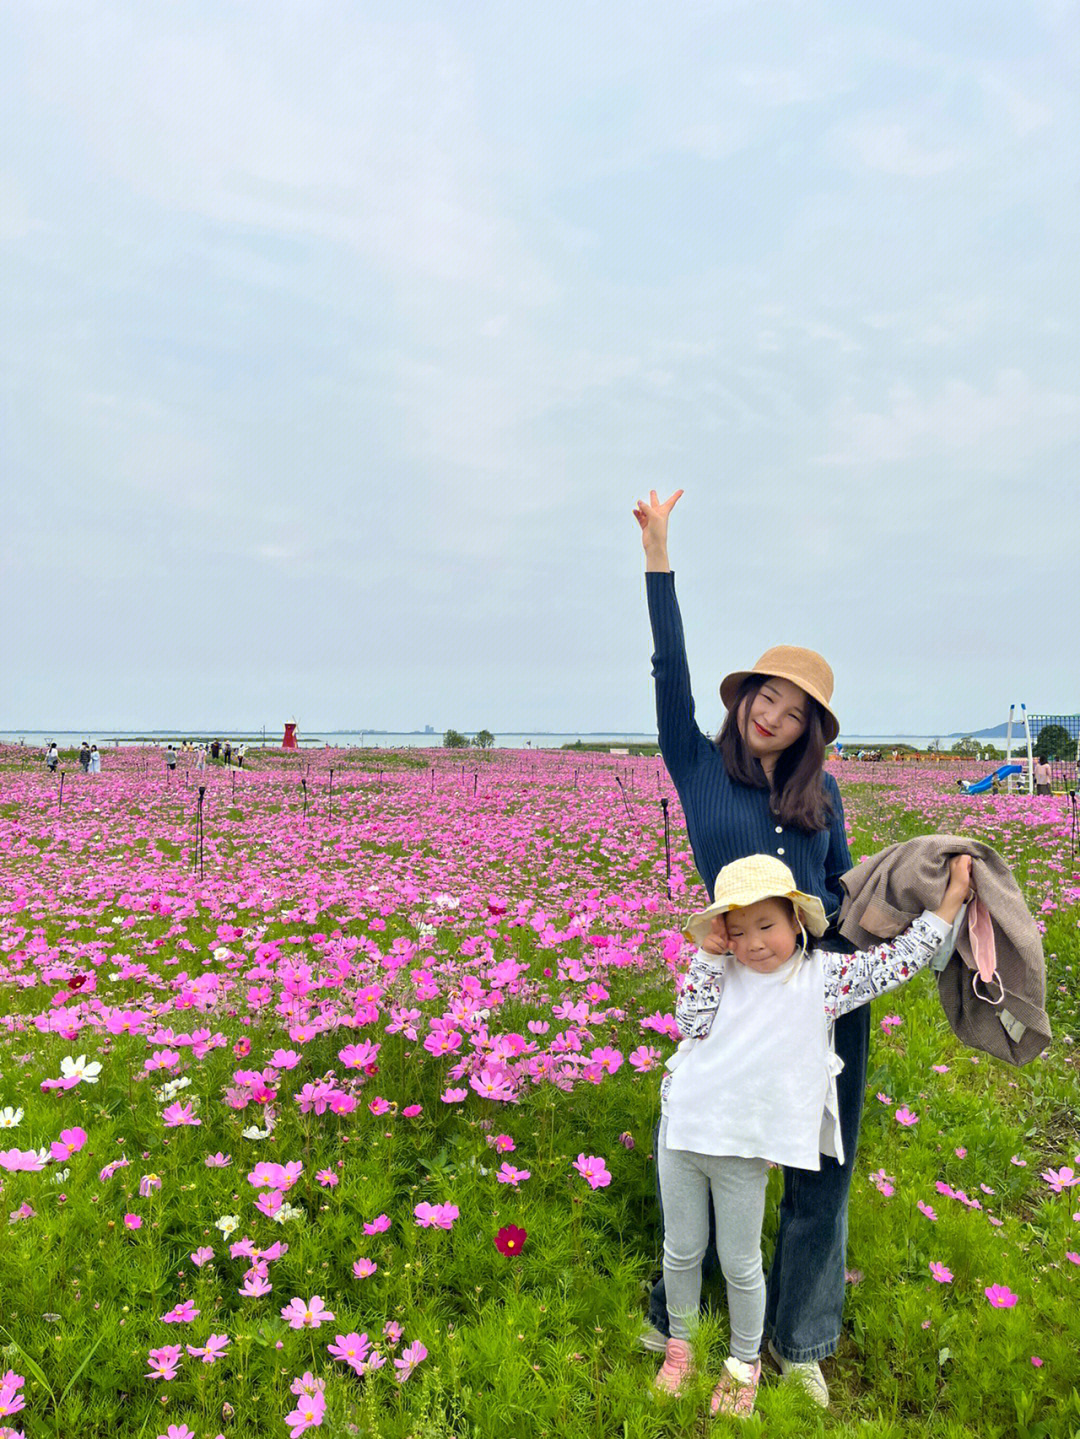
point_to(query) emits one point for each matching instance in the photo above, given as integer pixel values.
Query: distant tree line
(454, 739)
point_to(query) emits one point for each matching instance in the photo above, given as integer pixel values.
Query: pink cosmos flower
(177, 1114)
(940, 1273)
(379, 1105)
(454, 1096)
(162, 1362)
(364, 1268)
(308, 1414)
(501, 1143)
(201, 1256)
(940, 1068)
(412, 1356)
(177, 1431)
(218, 1160)
(884, 1183)
(440, 1215)
(148, 1184)
(306, 1314)
(351, 1349)
(213, 1349)
(133, 1221)
(255, 1285)
(926, 1209)
(69, 1143)
(183, 1313)
(1036, 1361)
(644, 1058)
(1060, 1179)
(960, 1153)
(379, 1225)
(1000, 1296)
(593, 1170)
(905, 1117)
(327, 1178)
(21, 1159)
(509, 1175)
(1071, 1257)
(411, 1111)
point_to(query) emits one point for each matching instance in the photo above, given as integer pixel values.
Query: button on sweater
(724, 819)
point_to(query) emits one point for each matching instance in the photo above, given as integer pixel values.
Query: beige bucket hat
(750, 880)
(805, 668)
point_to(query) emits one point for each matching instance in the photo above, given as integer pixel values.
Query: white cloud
(1002, 429)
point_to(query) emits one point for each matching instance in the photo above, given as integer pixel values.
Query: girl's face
(774, 719)
(762, 936)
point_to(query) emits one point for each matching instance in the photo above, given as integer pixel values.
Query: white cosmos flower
(254, 1132)
(10, 1118)
(287, 1211)
(79, 1068)
(228, 1223)
(60, 1176)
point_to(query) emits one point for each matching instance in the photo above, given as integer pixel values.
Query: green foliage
(1053, 742)
(484, 739)
(453, 739)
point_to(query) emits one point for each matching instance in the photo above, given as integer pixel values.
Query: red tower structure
(289, 742)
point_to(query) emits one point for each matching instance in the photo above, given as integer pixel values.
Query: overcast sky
(338, 340)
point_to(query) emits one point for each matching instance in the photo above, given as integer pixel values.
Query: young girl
(754, 1082)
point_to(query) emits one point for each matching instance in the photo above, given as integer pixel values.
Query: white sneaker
(809, 1375)
(651, 1339)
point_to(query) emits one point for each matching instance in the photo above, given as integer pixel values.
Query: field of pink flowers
(347, 1129)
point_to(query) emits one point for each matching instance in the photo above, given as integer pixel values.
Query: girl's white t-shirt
(762, 1083)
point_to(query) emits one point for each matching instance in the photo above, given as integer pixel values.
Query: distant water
(108, 739)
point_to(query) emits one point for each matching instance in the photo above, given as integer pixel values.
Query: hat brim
(729, 688)
(807, 906)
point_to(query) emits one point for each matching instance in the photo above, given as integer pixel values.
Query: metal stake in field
(303, 784)
(60, 797)
(199, 851)
(667, 844)
(330, 797)
(1072, 837)
(622, 791)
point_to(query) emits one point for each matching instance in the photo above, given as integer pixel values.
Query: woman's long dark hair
(798, 795)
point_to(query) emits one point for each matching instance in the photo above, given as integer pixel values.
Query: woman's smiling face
(774, 719)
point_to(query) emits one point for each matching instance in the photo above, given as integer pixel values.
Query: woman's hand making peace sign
(653, 519)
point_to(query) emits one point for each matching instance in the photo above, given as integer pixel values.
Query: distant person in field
(760, 787)
(52, 757)
(200, 759)
(95, 760)
(753, 1083)
(241, 750)
(170, 757)
(1043, 777)
(227, 752)
(84, 757)
(215, 748)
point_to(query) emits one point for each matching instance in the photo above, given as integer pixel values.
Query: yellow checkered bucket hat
(750, 880)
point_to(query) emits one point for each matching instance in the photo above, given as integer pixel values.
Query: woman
(760, 788)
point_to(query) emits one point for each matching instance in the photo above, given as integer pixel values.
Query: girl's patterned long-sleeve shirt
(850, 979)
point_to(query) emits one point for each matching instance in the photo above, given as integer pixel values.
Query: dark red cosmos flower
(510, 1240)
(77, 981)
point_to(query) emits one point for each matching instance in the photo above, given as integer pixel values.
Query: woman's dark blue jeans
(805, 1300)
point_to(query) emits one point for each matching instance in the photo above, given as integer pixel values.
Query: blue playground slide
(980, 786)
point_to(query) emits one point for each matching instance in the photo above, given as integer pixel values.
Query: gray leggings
(738, 1190)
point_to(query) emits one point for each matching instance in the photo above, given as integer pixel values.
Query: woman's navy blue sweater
(724, 819)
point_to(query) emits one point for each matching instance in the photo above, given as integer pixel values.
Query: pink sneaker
(677, 1368)
(737, 1391)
